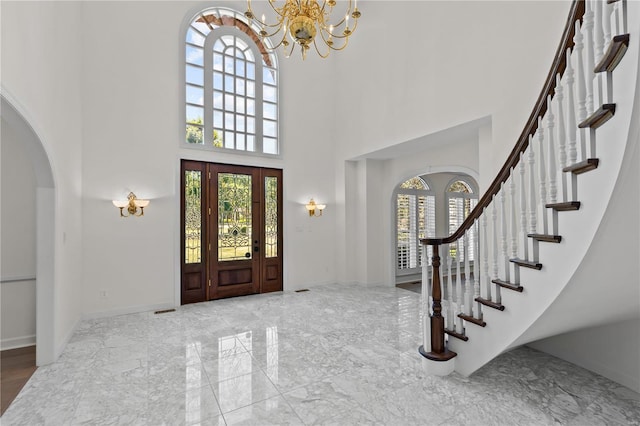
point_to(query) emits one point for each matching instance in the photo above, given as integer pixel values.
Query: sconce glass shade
(314, 208)
(132, 204)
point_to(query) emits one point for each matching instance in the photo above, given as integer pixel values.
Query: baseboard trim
(17, 342)
(66, 339)
(126, 311)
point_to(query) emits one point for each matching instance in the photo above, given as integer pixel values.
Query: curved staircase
(544, 250)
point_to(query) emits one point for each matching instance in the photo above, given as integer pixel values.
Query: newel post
(438, 352)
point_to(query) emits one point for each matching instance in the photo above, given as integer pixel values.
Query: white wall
(18, 240)
(40, 70)
(612, 351)
(120, 72)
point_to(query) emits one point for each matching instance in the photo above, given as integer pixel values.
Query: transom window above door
(231, 85)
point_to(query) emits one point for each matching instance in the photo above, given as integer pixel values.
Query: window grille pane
(269, 128)
(195, 95)
(240, 67)
(194, 114)
(195, 55)
(217, 118)
(240, 83)
(195, 75)
(195, 37)
(270, 111)
(194, 134)
(240, 141)
(229, 84)
(240, 104)
(251, 70)
(269, 93)
(240, 123)
(251, 89)
(270, 146)
(251, 107)
(229, 140)
(251, 143)
(251, 125)
(229, 121)
(193, 216)
(229, 102)
(217, 100)
(268, 76)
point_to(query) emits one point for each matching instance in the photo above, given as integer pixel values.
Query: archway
(14, 121)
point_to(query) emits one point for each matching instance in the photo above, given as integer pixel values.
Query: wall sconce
(132, 204)
(315, 209)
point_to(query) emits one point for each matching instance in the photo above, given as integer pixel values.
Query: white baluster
(503, 234)
(572, 125)
(606, 23)
(582, 89)
(553, 170)
(513, 228)
(451, 324)
(533, 205)
(616, 18)
(477, 273)
(468, 283)
(523, 209)
(590, 64)
(486, 276)
(459, 248)
(598, 47)
(543, 178)
(494, 219)
(562, 136)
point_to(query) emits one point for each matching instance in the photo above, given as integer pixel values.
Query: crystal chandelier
(303, 20)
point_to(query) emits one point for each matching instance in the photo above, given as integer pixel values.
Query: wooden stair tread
(599, 117)
(546, 238)
(473, 320)
(564, 207)
(508, 285)
(613, 55)
(490, 303)
(526, 263)
(583, 166)
(456, 335)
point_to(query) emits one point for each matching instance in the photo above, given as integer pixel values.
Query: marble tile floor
(335, 355)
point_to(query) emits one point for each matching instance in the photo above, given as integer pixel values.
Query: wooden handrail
(559, 64)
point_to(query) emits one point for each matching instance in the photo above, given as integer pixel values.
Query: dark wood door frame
(203, 277)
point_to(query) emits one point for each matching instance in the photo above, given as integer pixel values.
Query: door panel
(231, 231)
(235, 267)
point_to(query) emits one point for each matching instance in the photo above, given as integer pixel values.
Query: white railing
(522, 210)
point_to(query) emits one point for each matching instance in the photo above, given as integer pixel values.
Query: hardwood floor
(16, 367)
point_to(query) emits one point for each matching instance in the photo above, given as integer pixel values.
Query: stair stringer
(540, 301)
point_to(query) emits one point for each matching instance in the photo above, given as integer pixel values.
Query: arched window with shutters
(462, 197)
(231, 85)
(415, 219)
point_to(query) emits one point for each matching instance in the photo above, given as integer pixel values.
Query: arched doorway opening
(15, 125)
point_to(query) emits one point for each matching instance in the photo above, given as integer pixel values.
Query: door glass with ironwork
(234, 216)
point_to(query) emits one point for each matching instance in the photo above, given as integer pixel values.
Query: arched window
(231, 85)
(415, 219)
(461, 199)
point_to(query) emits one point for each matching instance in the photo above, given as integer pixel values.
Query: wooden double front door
(231, 231)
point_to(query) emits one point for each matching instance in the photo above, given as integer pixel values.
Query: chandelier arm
(332, 47)
(318, 50)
